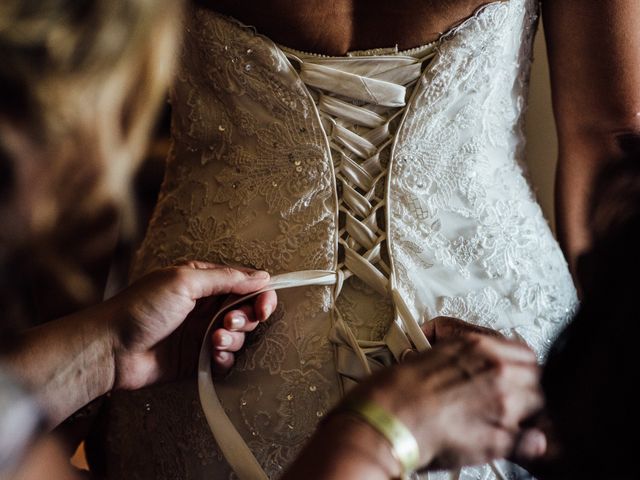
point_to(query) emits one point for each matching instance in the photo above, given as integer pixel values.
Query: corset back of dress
(250, 181)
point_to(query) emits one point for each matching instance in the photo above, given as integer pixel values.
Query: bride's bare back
(338, 26)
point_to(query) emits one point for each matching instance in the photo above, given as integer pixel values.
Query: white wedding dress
(397, 174)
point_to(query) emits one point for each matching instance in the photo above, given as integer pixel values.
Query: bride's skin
(338, 26)
(594, 57)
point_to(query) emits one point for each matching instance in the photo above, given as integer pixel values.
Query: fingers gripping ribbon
(230, 441)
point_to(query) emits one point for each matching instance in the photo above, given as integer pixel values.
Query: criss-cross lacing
(360, 101)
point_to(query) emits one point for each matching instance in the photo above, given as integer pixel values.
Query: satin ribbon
(231, 443)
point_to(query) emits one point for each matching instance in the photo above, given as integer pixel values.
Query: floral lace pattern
(250, 181)
(458, 200)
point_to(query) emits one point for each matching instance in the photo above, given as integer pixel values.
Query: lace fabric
(261, 176)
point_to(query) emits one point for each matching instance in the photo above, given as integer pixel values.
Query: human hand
(151, 339)
(449, 328)
(464, 400)
(229, 338)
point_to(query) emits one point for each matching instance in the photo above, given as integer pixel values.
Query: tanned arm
(594, 57)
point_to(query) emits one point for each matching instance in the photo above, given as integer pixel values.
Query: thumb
(206, 282)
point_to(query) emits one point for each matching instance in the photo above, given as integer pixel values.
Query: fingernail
(532, 445)
(224, 340)
(540, 442)
(237, 321)
(267, 310)
(259, 274)
(221, 356)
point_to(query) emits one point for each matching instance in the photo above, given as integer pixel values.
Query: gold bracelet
(404, 446)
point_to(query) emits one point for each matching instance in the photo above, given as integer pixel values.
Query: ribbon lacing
(358, 99)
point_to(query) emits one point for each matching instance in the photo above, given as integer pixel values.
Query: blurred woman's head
(81, 81)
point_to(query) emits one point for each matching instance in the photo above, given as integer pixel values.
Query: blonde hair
(82, 80)
(87, 74)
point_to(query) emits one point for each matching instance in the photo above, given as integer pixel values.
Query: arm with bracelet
(460, 403)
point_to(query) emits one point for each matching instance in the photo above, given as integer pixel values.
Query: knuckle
(499, 443)
(501, 368)
(501, 402)
(484, 343)
(499, 397)
(232, 273)
(509, 410)
(175, 277)
(181, 276)
(467, 345)
(176, 272)
(474, 343)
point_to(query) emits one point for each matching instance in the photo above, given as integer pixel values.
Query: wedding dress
(387, 182)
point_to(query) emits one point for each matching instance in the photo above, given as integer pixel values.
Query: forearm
(577, 167)
(67, 362)
(594, 58)
(345, 447)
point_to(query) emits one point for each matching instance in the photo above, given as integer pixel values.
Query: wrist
(101, 347)
(119, 344)
(134, 364)
(352, 449)
(370, 445)
(67, 362)
(400, 440)
(422, 424)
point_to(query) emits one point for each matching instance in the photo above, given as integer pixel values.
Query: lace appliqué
(250, 181)
(460, 203)
(479, 308)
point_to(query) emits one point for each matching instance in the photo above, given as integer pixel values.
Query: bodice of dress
(404, 174)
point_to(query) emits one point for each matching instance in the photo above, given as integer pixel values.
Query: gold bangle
(403, 444)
